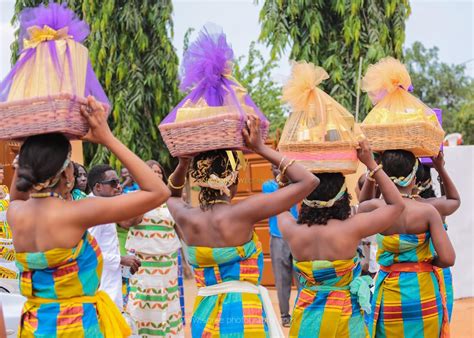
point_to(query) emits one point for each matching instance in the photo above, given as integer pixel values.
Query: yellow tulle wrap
(387, 83)
(36, 78)
(314, 113)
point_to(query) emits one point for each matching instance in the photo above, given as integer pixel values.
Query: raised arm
(452, 200)
(446, 255)
(368, 190)
(261, 206)
(153, 192)
(376, 216)
(177, 207)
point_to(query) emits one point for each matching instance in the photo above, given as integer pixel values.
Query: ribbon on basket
(207, 72)
(50, 40)
(39, 35)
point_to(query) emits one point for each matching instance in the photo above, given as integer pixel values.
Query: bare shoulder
(427, 208)
(14, 211)
(370, 205)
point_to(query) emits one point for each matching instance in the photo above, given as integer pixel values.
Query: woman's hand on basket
(95, 114)
(251, 134)
(364, 153)
(438, 161)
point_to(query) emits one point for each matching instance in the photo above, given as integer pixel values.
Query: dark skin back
(233, 225)
(47, 223)
(338, 239)
(418, 217)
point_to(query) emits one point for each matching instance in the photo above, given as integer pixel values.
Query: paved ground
(462, 324)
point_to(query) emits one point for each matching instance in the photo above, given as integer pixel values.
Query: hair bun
(25, 179)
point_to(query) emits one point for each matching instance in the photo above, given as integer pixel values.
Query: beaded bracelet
(371, 173)
(171, 185)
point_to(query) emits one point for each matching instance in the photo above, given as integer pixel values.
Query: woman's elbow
(446, 261)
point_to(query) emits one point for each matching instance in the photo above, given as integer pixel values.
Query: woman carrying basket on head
(324, 241)
(410, 298)
(60, 262)
(222, 245)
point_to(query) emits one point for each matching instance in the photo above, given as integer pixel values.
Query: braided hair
(206, 164)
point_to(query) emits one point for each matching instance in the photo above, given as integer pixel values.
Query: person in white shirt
(104, 182)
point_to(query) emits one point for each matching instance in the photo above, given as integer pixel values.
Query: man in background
(104, 182)
(128, 183)
(282, 260)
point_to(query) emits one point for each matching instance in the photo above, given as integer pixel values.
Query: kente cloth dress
(233, 314)
(332, 299)
(61, 290)
(8, 269)
(409, 298)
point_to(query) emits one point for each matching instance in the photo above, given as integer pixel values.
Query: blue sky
(448, 24)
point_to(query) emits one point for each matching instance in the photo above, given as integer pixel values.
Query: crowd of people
(97, 253)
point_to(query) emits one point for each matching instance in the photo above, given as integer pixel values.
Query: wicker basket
(421, 138)
(41, 115)
(223, 131)
(324, 157)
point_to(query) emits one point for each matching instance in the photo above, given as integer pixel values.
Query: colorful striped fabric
(323, 308)
(154, 300)
(406, 304)
(447, 277)
(61, 274)
(231, 314)
(7, 251)
(181, 287)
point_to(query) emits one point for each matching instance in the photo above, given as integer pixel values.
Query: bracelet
(286, 167)
(281, 162)
(280, 183)
(368, 178)
(373, 172)
(171, 185)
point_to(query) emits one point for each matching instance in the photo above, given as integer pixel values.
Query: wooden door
(8, 151)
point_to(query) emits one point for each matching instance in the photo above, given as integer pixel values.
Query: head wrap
(405, 181)
(51, 182)
(221, 183)
(326, 204)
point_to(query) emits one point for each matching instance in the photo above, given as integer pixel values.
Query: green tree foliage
(132, 54)
(438, 84)
(335, 35)
(464, 120)
(255, 74)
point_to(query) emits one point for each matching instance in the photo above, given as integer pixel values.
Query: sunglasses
(114, 183)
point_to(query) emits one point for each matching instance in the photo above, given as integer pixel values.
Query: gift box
(45, 89)
(215, 111)
(316, 133)
(398, 119)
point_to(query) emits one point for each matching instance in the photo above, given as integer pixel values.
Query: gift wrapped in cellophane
(318, 132)
(213, 114)
(398, 120)
(53, 76)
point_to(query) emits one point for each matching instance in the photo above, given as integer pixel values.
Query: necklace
(46, 195)
(410, 196)
(219, 202)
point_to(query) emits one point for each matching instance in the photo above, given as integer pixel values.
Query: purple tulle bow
(205, 65)
(54, 15)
